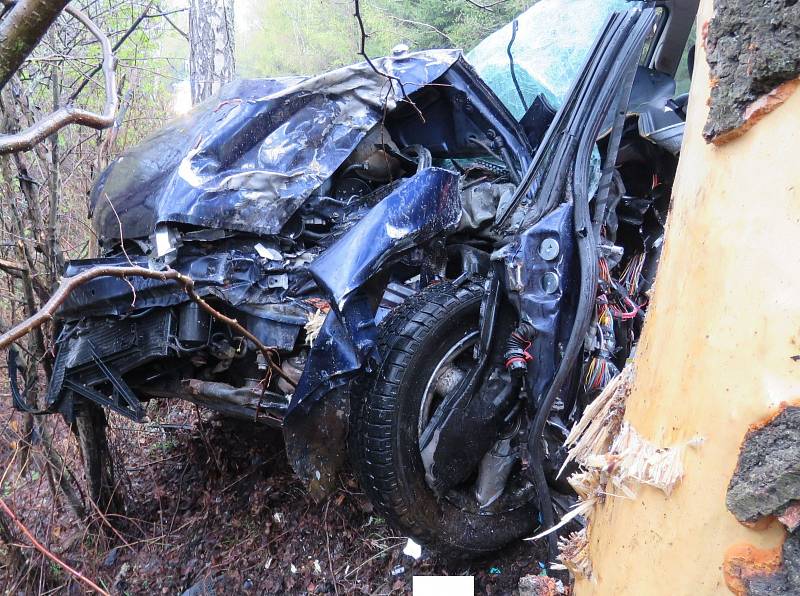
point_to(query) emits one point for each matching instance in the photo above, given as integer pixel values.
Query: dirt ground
(215, 508)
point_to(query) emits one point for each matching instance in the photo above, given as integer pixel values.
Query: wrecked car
(446, 258)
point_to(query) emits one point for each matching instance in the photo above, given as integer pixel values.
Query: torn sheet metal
(422, 207)
(540, 265)
(246, 159)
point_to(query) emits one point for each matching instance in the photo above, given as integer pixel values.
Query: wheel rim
(444, 366)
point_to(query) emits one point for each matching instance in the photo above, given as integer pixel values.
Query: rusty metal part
(247, 403)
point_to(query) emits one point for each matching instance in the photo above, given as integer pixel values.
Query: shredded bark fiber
(614, 460)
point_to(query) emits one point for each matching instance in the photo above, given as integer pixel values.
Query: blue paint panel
(422, 207)
(248, 158)
(550, 312)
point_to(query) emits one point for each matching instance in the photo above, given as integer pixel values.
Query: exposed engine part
(347, 187)
(494, 470)
(268, 253)
(194, 325)
(250, 395)
(423, 155)
(292, 368)
(221, 348)
(479, 203)
(251, 402)
(374, 158)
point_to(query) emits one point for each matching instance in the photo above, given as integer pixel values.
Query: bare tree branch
(486, 7)
(21, 29)
(69, 284)
(69, 114)
(166, 16)
(38, 546)
(11, 267)
(363, 53)
(114, 48)
(419, 24)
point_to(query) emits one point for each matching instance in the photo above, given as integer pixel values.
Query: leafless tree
(211, 46)
(58, 119)
(48, 65)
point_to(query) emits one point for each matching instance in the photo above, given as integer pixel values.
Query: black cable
(514, 27)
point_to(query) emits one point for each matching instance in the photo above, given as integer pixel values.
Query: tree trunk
(719, 353)
(211, 42)
(21, 29)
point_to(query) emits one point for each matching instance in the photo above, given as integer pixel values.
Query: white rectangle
(439, 585)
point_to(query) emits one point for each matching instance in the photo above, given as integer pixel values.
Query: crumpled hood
(247, 158)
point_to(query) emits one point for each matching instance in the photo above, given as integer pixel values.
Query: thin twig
(178, 500)
(38, 546)
(328, 548)
(114, 48)
(373, 557)
(486, 7)
(171, 23)
(69, 114)
(420, 24)
(363, 53)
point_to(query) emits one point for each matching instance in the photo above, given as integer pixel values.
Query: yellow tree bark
(716, 354)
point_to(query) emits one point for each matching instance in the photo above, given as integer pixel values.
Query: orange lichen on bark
(743, 561)
(758, 425)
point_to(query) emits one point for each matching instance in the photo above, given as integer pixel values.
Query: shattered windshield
(550, 44)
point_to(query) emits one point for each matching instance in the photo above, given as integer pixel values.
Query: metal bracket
(122, 399)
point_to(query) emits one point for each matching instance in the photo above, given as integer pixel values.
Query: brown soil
(215, 508)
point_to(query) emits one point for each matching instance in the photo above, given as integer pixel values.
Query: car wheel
(98, 465)
(418, 341)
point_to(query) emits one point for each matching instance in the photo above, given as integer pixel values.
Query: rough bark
(753, 48)
(211, 46)
(21, 29)
(767, 476)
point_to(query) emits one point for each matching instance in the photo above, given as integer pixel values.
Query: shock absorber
(517, 346)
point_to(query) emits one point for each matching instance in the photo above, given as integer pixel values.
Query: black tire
(412, 339)
(98, 463)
